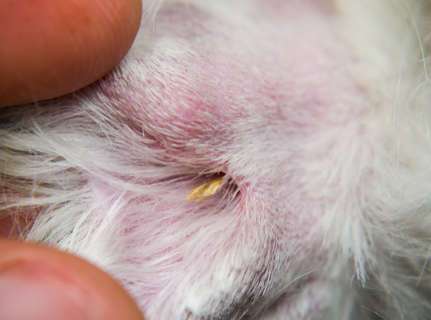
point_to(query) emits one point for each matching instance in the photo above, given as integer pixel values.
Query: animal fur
(316, 114)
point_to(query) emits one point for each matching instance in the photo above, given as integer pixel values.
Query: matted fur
(324, 214)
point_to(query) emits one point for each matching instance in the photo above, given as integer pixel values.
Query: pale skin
(52, 48)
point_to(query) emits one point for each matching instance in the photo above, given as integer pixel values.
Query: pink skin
(256, 91)
(312, 117)
(224, 99)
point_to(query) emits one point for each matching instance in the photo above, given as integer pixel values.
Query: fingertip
(53, 48)
(39, 282)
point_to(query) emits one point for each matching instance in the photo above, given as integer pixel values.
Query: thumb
(50, 48)
(42, 283)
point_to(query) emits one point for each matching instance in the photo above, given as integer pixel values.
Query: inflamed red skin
(246, 160)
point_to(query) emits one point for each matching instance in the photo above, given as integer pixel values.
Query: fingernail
(33, 291)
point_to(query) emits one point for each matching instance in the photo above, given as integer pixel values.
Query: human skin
(55, 285)
(53, 48)
(50, 49)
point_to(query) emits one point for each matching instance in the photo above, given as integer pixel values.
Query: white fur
(110, 180)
